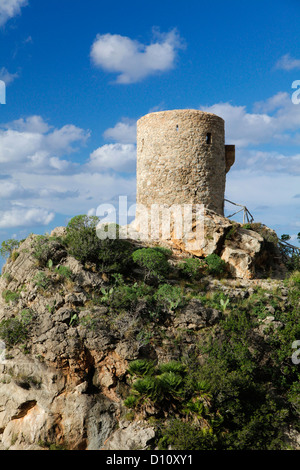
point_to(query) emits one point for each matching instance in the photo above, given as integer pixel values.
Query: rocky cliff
(70, 330)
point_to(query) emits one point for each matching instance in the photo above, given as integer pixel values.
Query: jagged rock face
(39, 406)
(66, 388)
(246, 252)
(52, 395)
(130, 436)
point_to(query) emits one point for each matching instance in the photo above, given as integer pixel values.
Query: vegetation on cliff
(208, 359)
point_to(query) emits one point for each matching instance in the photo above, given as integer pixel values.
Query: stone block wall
(181, 159)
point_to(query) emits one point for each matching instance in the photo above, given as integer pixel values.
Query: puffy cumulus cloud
(10, 8)
(32, 143)
(32, 124)
(118, 157)
(265, 176)
(132, 60)
(123, 132)
(18, 216)
(31, 146)
(286, 62)
(242, 128)
(274, 120)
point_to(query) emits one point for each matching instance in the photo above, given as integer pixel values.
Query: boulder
(245, 251)
(195, 316)
(131, 436)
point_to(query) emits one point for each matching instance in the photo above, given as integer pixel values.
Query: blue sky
(80, 73)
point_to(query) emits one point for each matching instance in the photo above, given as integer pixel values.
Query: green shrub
(64, 272)
(232, 231)
(141, 367)
(148, 387)
(191, 267)
(173, 366)
(169, 297)
(171, 384)
(8, 247)
(115, 256)
(15, 254)
(215, 265)
(41, 249)
(10, 296)
(81, 238)
(294, 279)
(153, 261)
(165, 251)
(158, 384)
(131, 401)
(179, 435)
(13, 331)
(26, 316)
(41, 280)
(8, 277)
(110, 255)
(122, 296)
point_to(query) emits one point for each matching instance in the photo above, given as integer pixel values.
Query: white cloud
(62, 140)
(277, 121)
(32, 143)
(40, 182)
(30, 146)
(286, 62)
(6, 76)
(264, 178)
(123, 132)
(132, 60)
(117, 157)
(269, 196)
(271, 161)
(86, 189)
(33, 124)
(243, 128)
(280, 100)
(9, 9)
(11, 190)
(25, 217)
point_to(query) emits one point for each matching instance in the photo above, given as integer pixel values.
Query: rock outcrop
(249, 252)
(64, 385)
(63, 389)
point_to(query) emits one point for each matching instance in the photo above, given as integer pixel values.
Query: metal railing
(247, 216)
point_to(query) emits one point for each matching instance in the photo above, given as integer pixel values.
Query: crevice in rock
(90, 364)
(24, 408)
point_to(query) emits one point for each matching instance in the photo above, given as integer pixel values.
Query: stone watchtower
(182, 159)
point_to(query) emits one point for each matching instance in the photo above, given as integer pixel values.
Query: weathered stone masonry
(182, 159)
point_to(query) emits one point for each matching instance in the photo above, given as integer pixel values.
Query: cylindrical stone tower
(181, 159)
